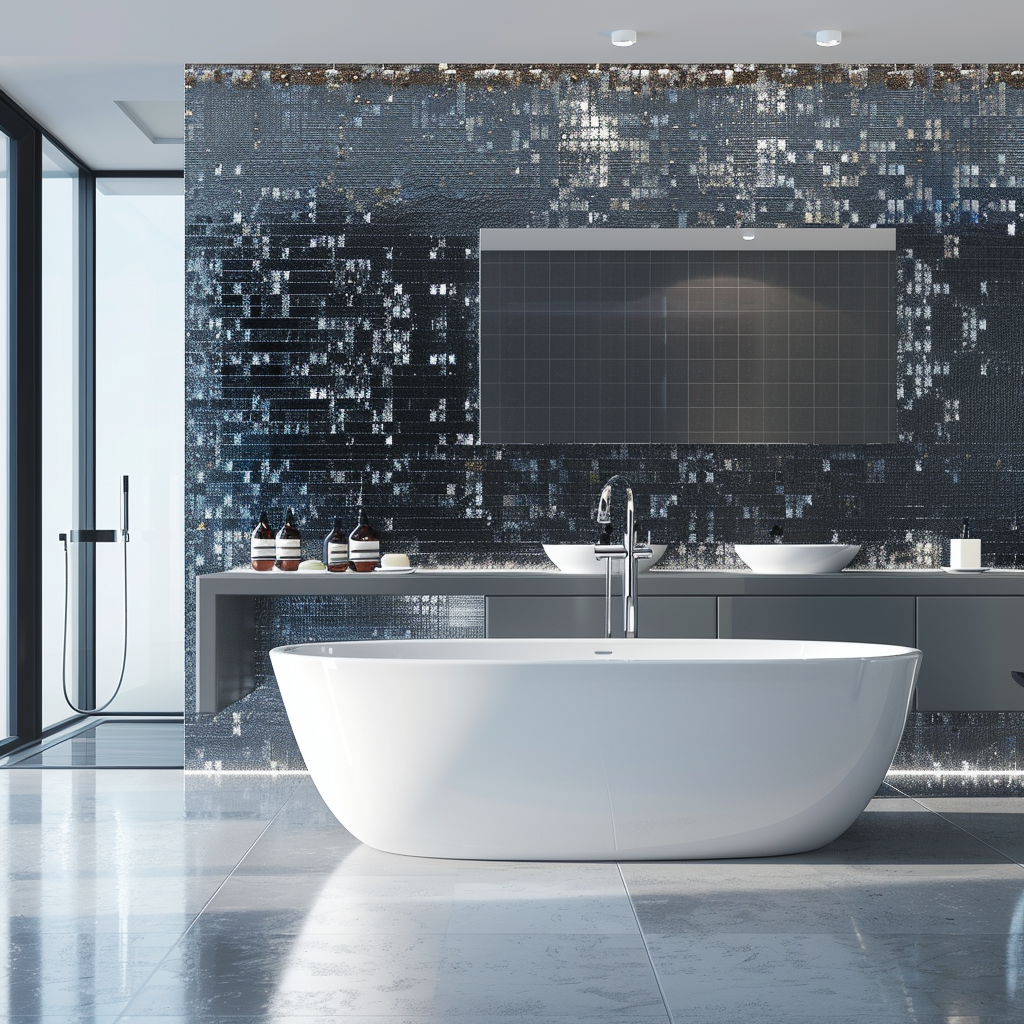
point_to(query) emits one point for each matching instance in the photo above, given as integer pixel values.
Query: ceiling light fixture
(623, 37)
(829, 37)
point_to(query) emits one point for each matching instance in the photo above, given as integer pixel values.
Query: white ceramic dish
(949, 568)
(580, 558)
(797, 559)
(596, 749)
(396, 570)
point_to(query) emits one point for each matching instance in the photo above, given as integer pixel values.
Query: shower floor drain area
(113, 745)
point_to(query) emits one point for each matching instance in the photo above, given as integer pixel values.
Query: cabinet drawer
(659, 616)
(970, 647)
(509, 617)
(874, 620)
(676, 618)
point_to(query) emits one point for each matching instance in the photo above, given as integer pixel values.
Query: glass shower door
(140, 398)
(5, 199)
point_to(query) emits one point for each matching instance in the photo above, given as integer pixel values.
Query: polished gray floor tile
(756, 897)
(439, 1017)
(901, 831)
(57, 974)
(524, 976)
(996, 821)
(338, 904)
(915, 914)
(899, 869)
(432, 975)
(273, 974)
(815, 977)
(88, 1016)
(543, 905)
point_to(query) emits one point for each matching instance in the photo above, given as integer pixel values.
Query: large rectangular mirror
(779, 335)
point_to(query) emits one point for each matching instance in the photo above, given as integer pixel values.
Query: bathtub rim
(533, 650)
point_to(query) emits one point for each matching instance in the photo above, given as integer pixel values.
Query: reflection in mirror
(689, 336)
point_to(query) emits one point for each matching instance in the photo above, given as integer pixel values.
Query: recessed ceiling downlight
(623, 37)
(829, 37)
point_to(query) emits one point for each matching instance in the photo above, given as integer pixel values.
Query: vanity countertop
(724, 582)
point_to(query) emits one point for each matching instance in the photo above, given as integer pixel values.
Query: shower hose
(64, 645)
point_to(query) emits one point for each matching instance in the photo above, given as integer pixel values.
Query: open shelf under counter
(966, 623)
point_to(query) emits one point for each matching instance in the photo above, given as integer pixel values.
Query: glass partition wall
(84, 405)
(60, 343)
(140, 432)
(5, 202)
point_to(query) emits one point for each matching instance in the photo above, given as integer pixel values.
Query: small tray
(949, 568)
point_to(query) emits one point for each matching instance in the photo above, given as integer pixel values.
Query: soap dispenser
(965, 550)
(262, 546)
(289, 545)
(363, 546)
(336, 549)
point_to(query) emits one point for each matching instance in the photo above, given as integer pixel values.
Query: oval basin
(580, 558)
(797, 559)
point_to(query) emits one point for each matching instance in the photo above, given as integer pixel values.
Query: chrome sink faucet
(627, 553)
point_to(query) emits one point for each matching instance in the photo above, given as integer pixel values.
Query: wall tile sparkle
(332, 306)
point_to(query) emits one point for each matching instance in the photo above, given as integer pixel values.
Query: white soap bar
(395, 561)
(312, 565)
(965, 553)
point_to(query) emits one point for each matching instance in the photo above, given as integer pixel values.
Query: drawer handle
(1018, 677)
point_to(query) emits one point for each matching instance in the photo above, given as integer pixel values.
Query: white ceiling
(67, 62)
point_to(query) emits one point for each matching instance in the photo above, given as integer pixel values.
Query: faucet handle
(643, 549)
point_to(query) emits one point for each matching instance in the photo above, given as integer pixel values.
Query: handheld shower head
(124, 507)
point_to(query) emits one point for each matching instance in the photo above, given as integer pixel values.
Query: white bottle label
(337, 553)
(364, 550)
(264, 549)
(289, 549)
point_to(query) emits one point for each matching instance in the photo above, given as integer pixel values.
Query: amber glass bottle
(289, 545)
(336, 549)
(363, 546)
(262, 547)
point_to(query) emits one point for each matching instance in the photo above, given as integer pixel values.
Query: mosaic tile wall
(332, 276)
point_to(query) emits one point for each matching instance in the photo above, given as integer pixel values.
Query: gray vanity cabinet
(542, 616)
(970, 647)
(878, 620)
(677, 617)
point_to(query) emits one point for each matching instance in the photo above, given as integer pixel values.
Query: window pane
(5, 194)
(140, 394)
(59, 331)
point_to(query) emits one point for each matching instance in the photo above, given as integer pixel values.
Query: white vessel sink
(797, 559)
(580, 558)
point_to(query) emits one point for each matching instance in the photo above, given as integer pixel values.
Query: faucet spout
(604, 504)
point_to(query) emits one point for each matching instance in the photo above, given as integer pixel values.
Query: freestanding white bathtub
(596, 749)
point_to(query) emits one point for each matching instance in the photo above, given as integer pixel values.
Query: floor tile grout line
(949, 821)
(205, 906)
(647, 949)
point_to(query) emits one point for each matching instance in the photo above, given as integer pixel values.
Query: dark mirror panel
(698, 346)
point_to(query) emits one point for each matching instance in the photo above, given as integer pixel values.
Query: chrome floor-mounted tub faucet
(627, 553)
